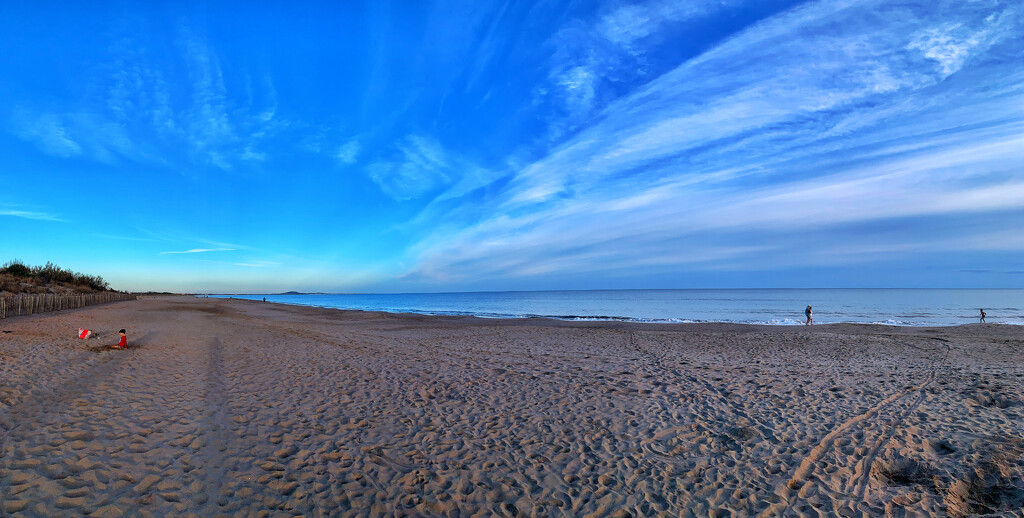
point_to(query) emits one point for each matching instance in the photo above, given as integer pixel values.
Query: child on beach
(123, 344)
(982, 316)
(808, 313)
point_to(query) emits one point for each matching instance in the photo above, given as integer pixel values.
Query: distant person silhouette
(982, 316)
(810, 319)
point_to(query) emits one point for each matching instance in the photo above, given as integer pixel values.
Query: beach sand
(237, 407)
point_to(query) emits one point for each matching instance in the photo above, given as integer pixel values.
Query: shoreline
(220, 407)
(617, 320)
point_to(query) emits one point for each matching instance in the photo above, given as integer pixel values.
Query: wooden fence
(17, 305)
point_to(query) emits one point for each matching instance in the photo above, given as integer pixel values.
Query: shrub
(53, 273)
(92, 281)
(17, 268)
(50, 274)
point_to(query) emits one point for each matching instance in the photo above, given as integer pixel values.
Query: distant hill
(17, 277)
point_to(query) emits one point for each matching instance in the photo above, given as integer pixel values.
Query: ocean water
(900, 307)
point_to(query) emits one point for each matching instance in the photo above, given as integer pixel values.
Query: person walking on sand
(808, 313)
(982, 321)
(123, 344)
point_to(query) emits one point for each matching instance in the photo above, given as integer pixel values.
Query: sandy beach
(228, 407)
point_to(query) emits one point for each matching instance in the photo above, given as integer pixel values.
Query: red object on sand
(123, 344)
(83, 333)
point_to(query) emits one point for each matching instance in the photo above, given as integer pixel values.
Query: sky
(426, 146)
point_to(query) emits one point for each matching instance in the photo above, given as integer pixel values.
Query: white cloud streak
(421, 166)
(259, 264)
(760, 79)
(200, 250)
(41, 216)
(833, 114)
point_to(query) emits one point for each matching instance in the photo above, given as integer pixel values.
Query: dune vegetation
(16, 277)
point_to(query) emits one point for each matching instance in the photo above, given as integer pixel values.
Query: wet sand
(225, 407)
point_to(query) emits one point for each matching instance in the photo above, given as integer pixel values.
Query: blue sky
(450, 146)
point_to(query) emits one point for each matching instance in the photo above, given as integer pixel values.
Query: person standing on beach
(808, 313)
(982, 316)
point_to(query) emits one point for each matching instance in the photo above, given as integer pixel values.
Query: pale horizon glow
(437, 146)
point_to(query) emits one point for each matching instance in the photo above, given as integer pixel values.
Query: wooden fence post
(30, 304)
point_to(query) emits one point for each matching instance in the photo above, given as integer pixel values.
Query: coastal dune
(226, 406)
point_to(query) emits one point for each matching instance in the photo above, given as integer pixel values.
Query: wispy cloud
(593, 59)
(259, 264)
(783, 79)
(421, 166)
(951, 44)
(133, 112)
(348, 152)
(210, 129)
(200, 250)
(578, 88)
(817, 118)
(48, 132)
(628, 23)
(41, 216)
(251, 154)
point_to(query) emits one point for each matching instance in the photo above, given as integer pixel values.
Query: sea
(896, 307)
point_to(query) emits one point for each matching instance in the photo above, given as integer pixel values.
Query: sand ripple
(232, 407)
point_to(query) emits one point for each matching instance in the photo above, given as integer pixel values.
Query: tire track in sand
(800, 478)
(863, 469)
